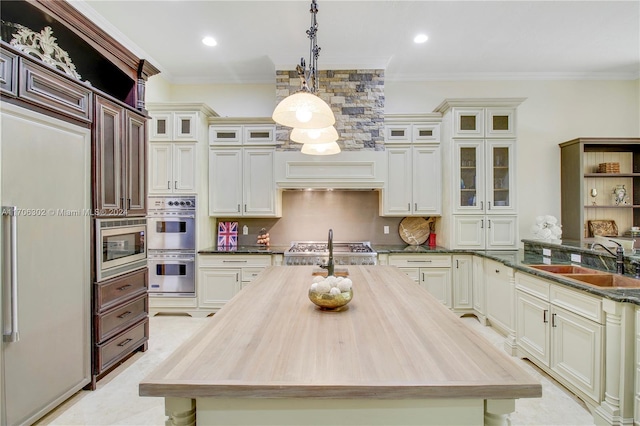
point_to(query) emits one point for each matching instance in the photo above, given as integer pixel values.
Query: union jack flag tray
(227, 236)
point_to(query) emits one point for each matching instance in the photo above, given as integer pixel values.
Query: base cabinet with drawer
(120, 320)
(561, 331)
(220, 277)
(431, 271)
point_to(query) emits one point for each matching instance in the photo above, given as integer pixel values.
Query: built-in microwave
(120, 246)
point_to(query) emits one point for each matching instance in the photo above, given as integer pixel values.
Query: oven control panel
(172, 203)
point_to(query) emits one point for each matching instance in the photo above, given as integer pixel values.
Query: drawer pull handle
(234, 261)
(126, 314)
(124, 287)
(544, 316)
(125, 342)
(497, 271)
(419, 261)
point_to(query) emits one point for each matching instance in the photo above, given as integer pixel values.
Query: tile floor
(116, 400)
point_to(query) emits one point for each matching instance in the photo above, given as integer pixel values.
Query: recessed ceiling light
(420, 38)
(209, 41)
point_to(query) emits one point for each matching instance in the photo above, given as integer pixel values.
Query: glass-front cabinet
(484, 170)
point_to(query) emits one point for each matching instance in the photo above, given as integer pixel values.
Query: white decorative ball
(334, 291)
(314, 286)
(318, 278)
(323, 287)
(344, 286)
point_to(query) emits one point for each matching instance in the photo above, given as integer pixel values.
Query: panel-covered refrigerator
(45, 300)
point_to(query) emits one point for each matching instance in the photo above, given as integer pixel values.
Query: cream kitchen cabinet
(242, 183)
(500, 300)
(479, 121)
(497, 232)
(414, 166)
(174, 126)
(242, 134)
(220, 277)
(561, 331)
(431, 271)
(478, 287)
(486, 175)
(480, 185)
(172, 167)
(413, 186)
(462, 283)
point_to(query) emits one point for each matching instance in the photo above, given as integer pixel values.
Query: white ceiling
(467, 39)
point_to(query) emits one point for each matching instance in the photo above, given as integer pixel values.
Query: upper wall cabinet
(177, 132)
(491, 122)
(120, 160)
(421, 131)
(174, 126)
(249, 134)
(414, 178)
(242, 169)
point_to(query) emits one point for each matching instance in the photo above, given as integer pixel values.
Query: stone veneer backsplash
(357, 100)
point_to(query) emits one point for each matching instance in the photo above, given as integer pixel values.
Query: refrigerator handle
(10, 333)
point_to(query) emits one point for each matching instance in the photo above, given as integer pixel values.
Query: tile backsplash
(308, 215)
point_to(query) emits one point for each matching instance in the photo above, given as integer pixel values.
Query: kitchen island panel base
(296, 411)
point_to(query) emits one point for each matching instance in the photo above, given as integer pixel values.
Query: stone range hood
(357, 100)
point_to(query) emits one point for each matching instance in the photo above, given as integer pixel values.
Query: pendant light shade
(303, 110)
(314, 136)
(320, 149)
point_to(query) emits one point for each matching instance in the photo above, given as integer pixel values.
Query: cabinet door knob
(544, 316)
(488, 205)
(175, 185)
(168, 184)
(481, 205)
(238, 208)
(553, 320)
(489, 223)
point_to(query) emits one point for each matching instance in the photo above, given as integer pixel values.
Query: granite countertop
(517, 259)
(246, 250)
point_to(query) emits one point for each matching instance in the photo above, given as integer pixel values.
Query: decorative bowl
(330, 302)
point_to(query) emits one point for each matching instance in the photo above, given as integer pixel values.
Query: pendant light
(314, 136)
(320, 148)
(305, 109)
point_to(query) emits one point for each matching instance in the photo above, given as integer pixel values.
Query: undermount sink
(606, 280)
(590, 276)
(566, 269)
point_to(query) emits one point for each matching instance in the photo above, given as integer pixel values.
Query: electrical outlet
(546, 252)
(245, 230)
(546, 261)
(576, 258)
(386, 229)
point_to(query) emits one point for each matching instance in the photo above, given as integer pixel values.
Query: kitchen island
(395, 355)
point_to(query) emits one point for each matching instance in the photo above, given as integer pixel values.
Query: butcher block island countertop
(396, 354)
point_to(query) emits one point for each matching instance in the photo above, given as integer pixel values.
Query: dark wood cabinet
(120, 320)
(119, 160)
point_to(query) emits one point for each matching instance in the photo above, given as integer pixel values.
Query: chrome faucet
(330, 265)
(619, 255)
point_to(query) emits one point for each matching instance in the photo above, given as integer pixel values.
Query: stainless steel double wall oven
(172, 246)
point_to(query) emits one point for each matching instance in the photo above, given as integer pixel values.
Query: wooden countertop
(395, 341)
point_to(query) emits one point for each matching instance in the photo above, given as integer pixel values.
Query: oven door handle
(166, 216)
(181, 261)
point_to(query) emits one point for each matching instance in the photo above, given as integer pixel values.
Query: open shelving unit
(579, 176)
